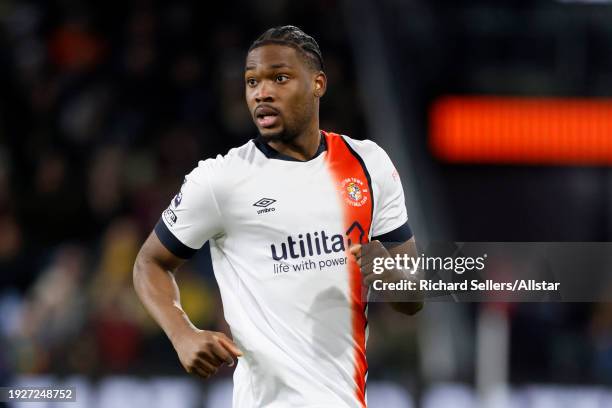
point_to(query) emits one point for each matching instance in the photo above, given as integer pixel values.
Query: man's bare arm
(201, 352)
(156, 287)
(375, 249)
(409, 248)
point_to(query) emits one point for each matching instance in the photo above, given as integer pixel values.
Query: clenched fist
(407, 302)
(202, 352)
(365, 255)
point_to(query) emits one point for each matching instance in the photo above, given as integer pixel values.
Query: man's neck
(302, 148)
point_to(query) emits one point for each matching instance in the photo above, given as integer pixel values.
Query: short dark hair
(294, 37)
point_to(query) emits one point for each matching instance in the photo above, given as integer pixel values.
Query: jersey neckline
(272, 153)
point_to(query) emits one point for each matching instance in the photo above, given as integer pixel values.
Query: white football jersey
(280, 231)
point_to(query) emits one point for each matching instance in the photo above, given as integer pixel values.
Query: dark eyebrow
(280, 65)
(273, 66)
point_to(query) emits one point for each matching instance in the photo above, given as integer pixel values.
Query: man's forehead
(271, 56)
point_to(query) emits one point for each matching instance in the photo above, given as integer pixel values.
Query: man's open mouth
(266, 116)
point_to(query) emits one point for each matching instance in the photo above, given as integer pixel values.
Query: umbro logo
(264, 203)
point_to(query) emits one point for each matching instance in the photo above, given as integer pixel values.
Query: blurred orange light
(514, 130)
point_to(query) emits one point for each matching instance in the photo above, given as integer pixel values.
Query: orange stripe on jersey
(355, 192)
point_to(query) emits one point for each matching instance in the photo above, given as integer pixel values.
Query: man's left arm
(410, 302)
(409, 248)
(391, 234)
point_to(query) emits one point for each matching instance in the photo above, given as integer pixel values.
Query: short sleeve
(390, 219)
(193, 216)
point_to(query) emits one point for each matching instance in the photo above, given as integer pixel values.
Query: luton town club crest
(354, 191)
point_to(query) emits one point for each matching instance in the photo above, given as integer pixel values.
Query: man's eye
(251, 82)
(282, 78)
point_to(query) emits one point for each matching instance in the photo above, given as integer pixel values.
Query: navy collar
(272, 153)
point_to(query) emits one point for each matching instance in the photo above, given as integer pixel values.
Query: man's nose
(264, 93)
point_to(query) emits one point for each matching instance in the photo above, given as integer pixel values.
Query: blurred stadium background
(495, 113)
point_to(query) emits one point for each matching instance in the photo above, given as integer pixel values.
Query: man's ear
(320, 84)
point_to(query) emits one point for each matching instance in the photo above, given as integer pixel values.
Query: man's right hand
(202, 352)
